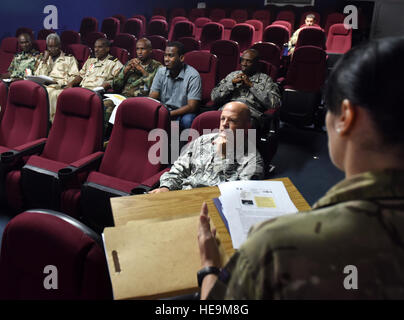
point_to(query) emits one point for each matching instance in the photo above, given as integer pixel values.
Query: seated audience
(308, 22)
(24, 62)
(255, 88)
(178, 86)
(208, 160)
(136, 76)
(350, 246)
(57, 65)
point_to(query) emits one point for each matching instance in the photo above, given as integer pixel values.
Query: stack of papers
(117, 99)
(41, 79)
(243, 204)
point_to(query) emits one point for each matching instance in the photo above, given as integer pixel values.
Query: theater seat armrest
(91, 162)
(154, 180)
(30, 148)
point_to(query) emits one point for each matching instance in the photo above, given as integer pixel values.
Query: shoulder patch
(113, 59)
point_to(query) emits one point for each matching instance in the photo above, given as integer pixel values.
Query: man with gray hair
(57, 65)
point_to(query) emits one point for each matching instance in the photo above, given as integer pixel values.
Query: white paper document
(41, 79)
(246, 203)
(117, 100)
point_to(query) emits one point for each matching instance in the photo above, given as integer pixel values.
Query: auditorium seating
(3, 98)
(286, 24)
(276, 34)
(269, 52)
(120, 53)
(71, 151)
(262, 15)
(211, 32)
(304, 80)
(126, 165)
(287, 15)
(243, 34)
(190, 44)
(206, 64)
(182, 29)
(158, 55)
(40, 45)
(122, 21)
(143, 19)
(9, 47)
(177, 12)
(88, 24)
(36, 239)
(228, 25)
(111, 27)
(157, 27)
(80, 51)
(158, 42)
(258, 29)
(339, 39)
(333, 18)
(228, 54)
(134, 26)
(69, 37)
(173, 22)
(311, 36)
(239, 15)
(126, 41)
(23, 129)
(217, 14)
(158, 18)
(199, 23)
(92, 37)
(196, 13)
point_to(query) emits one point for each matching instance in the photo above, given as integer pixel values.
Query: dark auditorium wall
(29, 13)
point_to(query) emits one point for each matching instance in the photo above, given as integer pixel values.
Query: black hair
(180, 47)
(371, 76)
(105, 42)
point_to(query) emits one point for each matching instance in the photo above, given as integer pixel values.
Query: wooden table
(175, 204)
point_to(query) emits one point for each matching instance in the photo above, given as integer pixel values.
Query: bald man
(255, 88)
(213, 158)
(136, 76)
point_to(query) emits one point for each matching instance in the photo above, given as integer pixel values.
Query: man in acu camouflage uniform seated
(351, 245)
(209, 160)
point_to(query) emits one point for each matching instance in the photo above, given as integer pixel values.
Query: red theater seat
(217, 14)
(69, 37)
(276, 34)
(182, 29)
(134, 26)
(262, 15)
(72, 149)
(88, 24)
(111, 27)
(120, 53)
(199, 23)
(126, 41)
(190, 44)
(243, 34)
(126, 165)
(9, 47)
(36, 239)
(211, 32)
(339, 39)
(228, 25)
(239, 15)
(228, 54)
(80, 51)
(158, 42)
(196, 13)
(157, 27)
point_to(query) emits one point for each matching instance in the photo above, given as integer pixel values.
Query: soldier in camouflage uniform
(136, 77)
(24, 60)
(57, 65)
(204, 162)
(256, 89)
(351, 245)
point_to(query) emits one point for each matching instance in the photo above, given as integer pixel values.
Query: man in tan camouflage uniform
(136, 77)
(23, 61)
(57, 65)
(205, 161)
(351, 245)
(256, 89)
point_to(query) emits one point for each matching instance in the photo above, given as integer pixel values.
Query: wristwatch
(204, 272)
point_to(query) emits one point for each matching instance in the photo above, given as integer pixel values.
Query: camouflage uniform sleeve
(114, 72)
(253, 168)
(119, 81)
(180, 170)
(268, 96)
(224, 89)
(148, 81)
(12, 66)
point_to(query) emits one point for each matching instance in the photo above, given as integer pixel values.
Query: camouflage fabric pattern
(263, 95)
(95, 72)
(359, 222)
(22, 61)
(62, 70)
(133, 84)
(199, 166)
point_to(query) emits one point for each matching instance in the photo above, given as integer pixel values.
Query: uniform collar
(181, 75)
(384, 184)
(106, 59)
